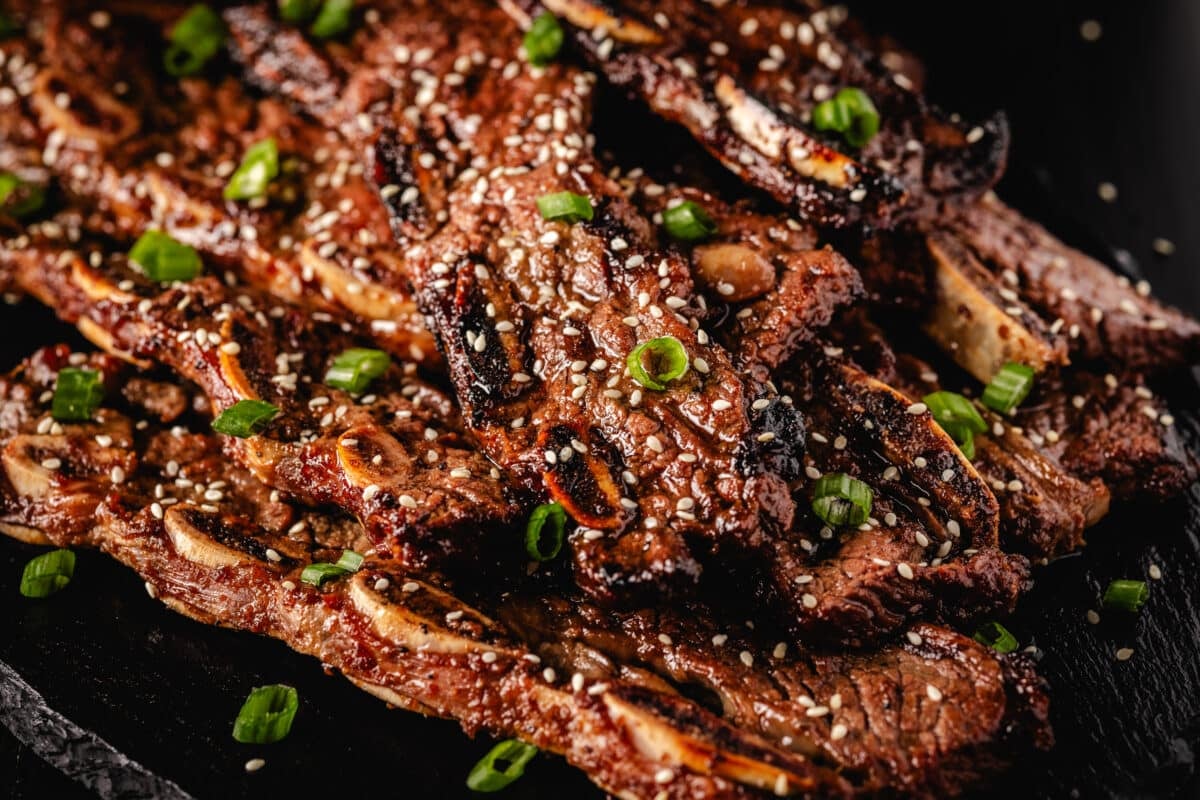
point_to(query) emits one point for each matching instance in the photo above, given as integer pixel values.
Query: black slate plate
(132, 700)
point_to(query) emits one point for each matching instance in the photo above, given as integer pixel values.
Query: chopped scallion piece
(1126, 595)
(47, 573)
(77, 394)
(355, 368)
(996, 636)
(544, 532)
(333, 19)
(259, 167)
(543, 40)
(321, 573)
(841, 500)
(245, 418)
(18, 198)
(296, 11)
(657, 362)
(565, 206)
(503, 764)
(197, 37)
(688, 222)
(267, 715)
(851, 113)
(350, 561)
(1009, 388)
(163, 259)
(958, 417)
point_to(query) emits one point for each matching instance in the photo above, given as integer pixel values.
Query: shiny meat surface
(793, 721)
(744, 78)
(396, 458)
(136, 149)
(704, 632)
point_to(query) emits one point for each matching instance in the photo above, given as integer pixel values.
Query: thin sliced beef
(744, 79)
(135, 149)
(397, 457)
(793, 721)
(1106, 319)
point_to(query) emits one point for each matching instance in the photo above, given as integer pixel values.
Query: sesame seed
(747, 658)
(917, 408)
(1107, 192)
(914, 637)
(1093, 617)
(664, 775)
(934, 693)
(1155, 572)
(52, 463)
(838, 732)
(255, 764)
(1090, 30)
(370, 492)
(410, 587)
(1124, 654)
(905, 571)
(381, 584)
(1164, 247)
(721, 405)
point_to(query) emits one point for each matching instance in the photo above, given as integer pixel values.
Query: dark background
(163, 691)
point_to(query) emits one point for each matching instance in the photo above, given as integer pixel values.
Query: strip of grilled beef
(614, 288)
(743, 78)
(1106, 319)
(395, 632)
(1046, 519)
(829, 724)
(136, 149)
(789, 293)
(397, 458)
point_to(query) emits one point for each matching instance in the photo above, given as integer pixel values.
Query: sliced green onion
(163, 259)
(841, 500)
(322, 572)
(503, 764)
(48, 573)
(958, 417)
(965, 439)
(197, 37)
(245, 418)
(1009, 388)
(688, 222)
(543, 40)
(77, 394)
(350, 561)
(333, 19)
(657, 362)
(851, 113)
(544, 531)
(996, 636)
(296, 11)
(565, 206)
(355, 368)
(1126, 595)
(259, 167)
(267, 715)
(18, 198)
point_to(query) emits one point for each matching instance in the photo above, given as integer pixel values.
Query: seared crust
(743, 78)
(236, 560)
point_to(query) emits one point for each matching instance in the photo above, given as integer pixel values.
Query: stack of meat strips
(705, 630)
